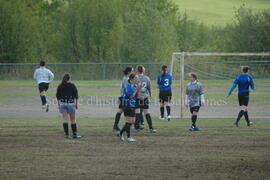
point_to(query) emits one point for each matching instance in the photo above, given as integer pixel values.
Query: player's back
(244, 81)
(43, 74)
(145, 82)
(164, 81)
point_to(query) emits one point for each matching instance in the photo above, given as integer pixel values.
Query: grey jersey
(194, 91)
(123, 86)
(146, 86)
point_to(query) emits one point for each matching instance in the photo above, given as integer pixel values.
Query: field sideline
(34, 148)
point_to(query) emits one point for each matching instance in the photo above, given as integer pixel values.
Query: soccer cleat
(236, 123)
(250, 123)
(192, 128)
(121, 136)
(130, 139)
(43, 106)
(153, 130)
(169, 118)
(161, 118)
(196, 129)
(116, 128)
(76, 137)
(47, 107)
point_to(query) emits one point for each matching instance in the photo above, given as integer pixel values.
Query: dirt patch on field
(104, 107)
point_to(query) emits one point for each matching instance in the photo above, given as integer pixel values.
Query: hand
(139, 87)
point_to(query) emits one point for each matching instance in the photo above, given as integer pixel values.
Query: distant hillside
(218, 12)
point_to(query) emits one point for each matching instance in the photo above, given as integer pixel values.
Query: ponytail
(164, 70)
(65, 79)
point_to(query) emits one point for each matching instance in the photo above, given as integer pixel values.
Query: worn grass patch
(35, 149)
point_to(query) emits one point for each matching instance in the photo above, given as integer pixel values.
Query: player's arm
(76, 96)
(252, 85)
(234, 85)
(158, 81)
(35, 75)
(186, 97)
(51, 75)
(58, 97)
(202, 95)
(149, 87)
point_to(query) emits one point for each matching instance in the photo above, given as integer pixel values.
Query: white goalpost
(179, 58)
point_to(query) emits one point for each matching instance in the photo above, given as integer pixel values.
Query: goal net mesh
(217, 73)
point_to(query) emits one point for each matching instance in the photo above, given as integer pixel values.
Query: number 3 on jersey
(166, 82)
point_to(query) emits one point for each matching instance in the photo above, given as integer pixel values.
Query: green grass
(217, 12)
(214, 89)
(35, 149)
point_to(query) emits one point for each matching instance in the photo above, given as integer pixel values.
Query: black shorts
(43, 87)
(129, 112)
(165, 96)
(243, 99)
(194, 109)
(142, 103)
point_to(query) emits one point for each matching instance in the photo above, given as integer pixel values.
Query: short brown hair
(194, 75)
(140, 69)
(245, 69)
(131, 76)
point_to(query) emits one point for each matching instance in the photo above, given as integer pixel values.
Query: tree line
(119, 30)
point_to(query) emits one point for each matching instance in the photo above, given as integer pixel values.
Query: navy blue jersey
(129, 90)
(243, 81)
(164, 82)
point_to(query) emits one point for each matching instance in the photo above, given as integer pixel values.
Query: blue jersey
(164, 82)
(129, 90)
(244, 81)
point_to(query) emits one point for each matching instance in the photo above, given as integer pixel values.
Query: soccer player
(164, 82)
(131, 90)
(67, 97)
(44, 77)
(194, 99)
(124, 83)
(243, 81)
(143, 100)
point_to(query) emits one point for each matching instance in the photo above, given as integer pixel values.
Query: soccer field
(34, 148)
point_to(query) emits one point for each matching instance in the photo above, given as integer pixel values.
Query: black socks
(126, 128)
(194, 119)
(43, 100)
(137, 120)
(240, 114)
(65, 126)
(162, 112)
(117, 119)
(246, 117)
(149, 121)
(168, 110)
(74, 128)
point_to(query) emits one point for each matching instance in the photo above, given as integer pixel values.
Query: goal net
(216, 72)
